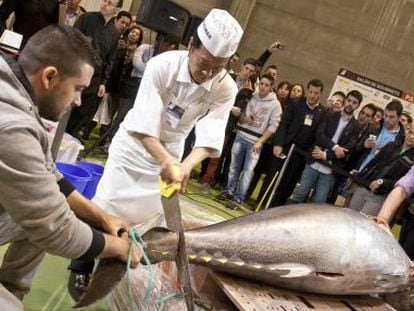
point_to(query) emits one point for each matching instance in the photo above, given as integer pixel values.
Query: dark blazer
(104, 38)
(327, 129)
(360, 148)
(390, 164)
(293, 119)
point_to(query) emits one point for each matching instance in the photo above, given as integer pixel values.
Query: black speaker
(164, 16)
(191, 29)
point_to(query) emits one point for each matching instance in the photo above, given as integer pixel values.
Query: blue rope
(135, 238)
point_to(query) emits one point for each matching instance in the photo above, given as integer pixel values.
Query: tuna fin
(291, 270)
(160, 244)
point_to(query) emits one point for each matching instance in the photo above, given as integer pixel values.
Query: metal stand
(280, 176)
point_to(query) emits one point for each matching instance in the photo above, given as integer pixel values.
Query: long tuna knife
(172, 212)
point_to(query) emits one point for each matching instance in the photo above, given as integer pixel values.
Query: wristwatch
(380, 181)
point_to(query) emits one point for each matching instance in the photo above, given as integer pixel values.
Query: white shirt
(343, 122)
(167, 83)
(141, 56)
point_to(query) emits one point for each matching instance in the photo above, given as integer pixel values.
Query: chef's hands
(173, 172)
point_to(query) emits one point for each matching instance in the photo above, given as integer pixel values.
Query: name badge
(174, 114)
(308, 120)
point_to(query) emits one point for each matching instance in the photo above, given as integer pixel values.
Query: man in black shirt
(104, 35)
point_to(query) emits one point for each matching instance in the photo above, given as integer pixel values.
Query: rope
(136, 239)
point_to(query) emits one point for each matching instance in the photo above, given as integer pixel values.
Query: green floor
(49, 287)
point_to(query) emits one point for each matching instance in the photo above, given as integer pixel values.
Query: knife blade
(172, 212)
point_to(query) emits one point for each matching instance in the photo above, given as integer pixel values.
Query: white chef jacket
(129, 185)
(166, 83)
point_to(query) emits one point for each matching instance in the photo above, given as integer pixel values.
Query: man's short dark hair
(372, 107)
(271, 67)
(63, 47)
(356, 94)
(268, 77)
(250, 61)
(120, 3)
(409, 118)
(395, 105)
(315, 83)
(124, 14)
(342, 94)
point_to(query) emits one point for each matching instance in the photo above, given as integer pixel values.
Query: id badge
(308, 120)
(173, 115)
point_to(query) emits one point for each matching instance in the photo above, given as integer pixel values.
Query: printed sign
(373, 91)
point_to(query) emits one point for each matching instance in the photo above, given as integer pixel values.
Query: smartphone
(371, 136)
(282, 156)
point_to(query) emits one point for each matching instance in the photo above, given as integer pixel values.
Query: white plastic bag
(103, 114)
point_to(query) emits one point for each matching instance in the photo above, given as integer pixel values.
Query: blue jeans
(242, 157)
(322, 185)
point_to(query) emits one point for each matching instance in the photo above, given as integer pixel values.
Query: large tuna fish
(307, 247)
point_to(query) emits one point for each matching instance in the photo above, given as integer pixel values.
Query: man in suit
(299, 123)
(336, 136)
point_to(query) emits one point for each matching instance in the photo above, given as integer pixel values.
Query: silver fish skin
(317, 248)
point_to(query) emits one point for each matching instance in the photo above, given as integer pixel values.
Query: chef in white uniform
(177, 89)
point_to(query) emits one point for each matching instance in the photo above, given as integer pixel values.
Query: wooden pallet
(251, 296)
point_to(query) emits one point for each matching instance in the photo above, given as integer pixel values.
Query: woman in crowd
(282, 92)
(125, 87)
(297, 91)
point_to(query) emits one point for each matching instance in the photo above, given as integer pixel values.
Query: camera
(279, 46)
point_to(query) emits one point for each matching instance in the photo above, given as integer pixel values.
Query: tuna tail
(160, 244)
(108, 274)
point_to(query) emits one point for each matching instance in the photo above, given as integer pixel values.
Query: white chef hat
(220, 33)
